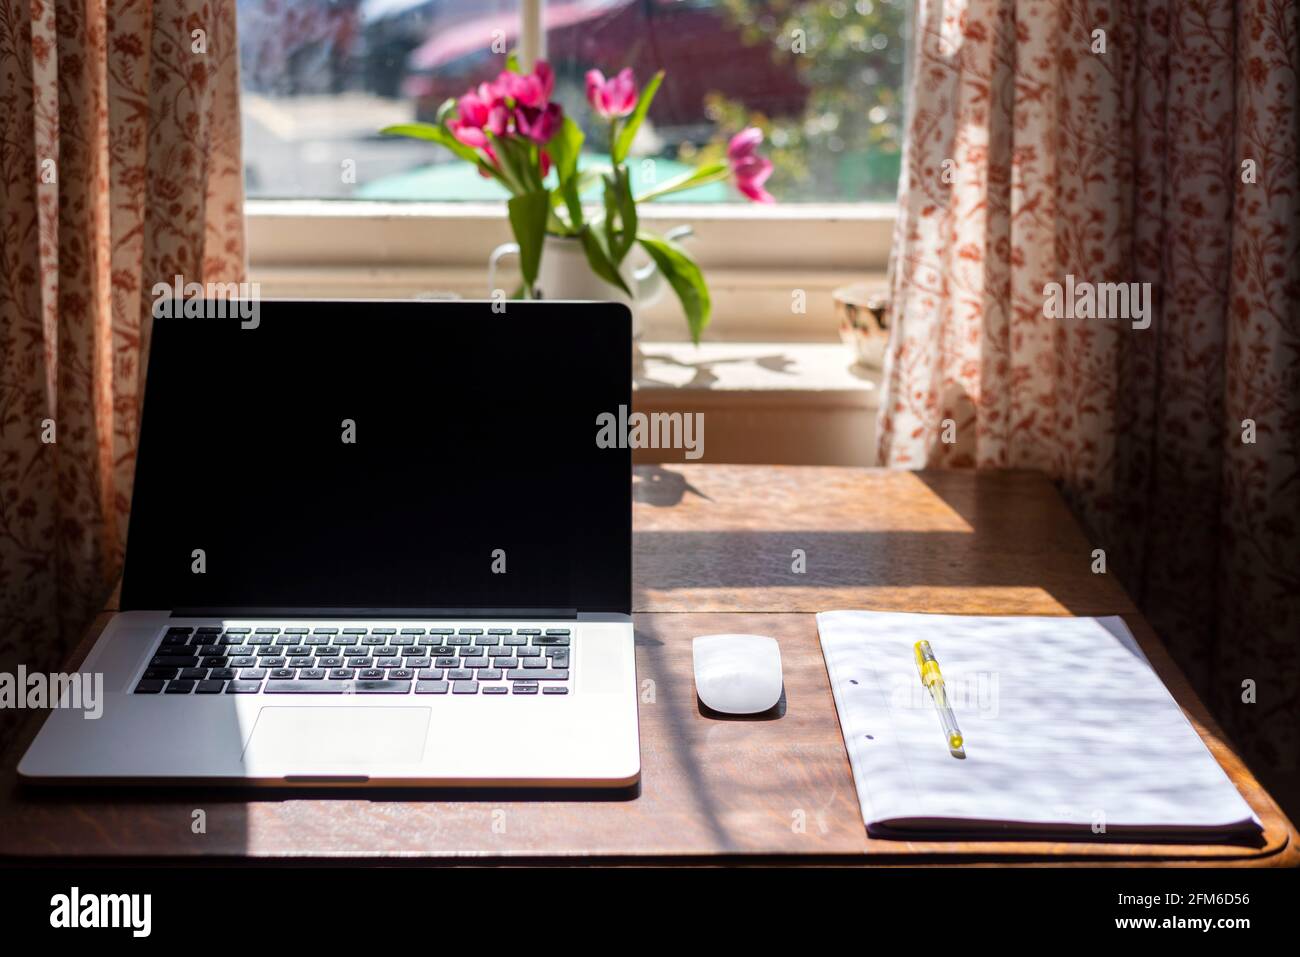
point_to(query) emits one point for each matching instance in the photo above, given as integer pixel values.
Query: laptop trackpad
(344, 740)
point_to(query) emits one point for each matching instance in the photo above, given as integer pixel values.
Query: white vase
(564, 273)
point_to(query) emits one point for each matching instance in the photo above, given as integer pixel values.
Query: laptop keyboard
(297, 659)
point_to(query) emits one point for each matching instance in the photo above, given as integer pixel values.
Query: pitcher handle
(502, 251)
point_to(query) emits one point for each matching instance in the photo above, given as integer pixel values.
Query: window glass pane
(822, 79)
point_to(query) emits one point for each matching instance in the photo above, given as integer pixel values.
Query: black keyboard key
(344, 641)
(464, 687)
(238, 631)
(179, 630)
(388, 663)
(485, 640)
(149, 686)
(298, 652)
(243, 687)
(500, 652)
(274, 662)
(431, 687)
(505, 662)
(374, 640)
(442, 651)
(330, 662)
(430, 674)
(288, 640)
(537, 674)
(210, 687)
(528, 652)
(283, 673)
(473, 662)
(383, 631)
(160, 674)
(311, 674)
(440, 631)
(401, 674)
(221, 674)
(371, 674)
(514, 640)
(530, 631)
(295, 631)
(523, 689)
(173, 661)
(252, 674)
(382, 687)
(248, 662)
(308, 687)
(489, 674)
(412, 631)
(555, 689)
(324, 631)
(342, 674)
(551, 640)
(194, 674)
(495, 689)
(458, 639)
(460, 674)
(447, 663)
(557, 631)
(179, 687)
(470, 631)
(259, 640)
(355, 631)
(499, 631)
(560, 659)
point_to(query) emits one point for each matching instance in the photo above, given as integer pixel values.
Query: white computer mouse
(737, 674)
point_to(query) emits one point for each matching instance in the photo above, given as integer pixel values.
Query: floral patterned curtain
(119, 167)
(1156, 142)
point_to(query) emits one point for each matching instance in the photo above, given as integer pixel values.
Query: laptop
(372, 543)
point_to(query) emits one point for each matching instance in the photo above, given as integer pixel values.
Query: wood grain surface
(713, 553)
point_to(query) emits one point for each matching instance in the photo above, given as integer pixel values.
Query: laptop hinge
(250, 612)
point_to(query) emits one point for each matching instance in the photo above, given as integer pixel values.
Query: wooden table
(713, 553)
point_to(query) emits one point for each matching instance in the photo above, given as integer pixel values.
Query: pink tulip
(749, 168)
(539, 125)
(613, 98)
(528, 89)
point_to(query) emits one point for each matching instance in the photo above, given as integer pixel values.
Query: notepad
(1067, 729)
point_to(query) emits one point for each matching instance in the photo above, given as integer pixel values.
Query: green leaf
(627, 134)
(512, 61)
(528, 212)
(627, 215)
(685, 278)
(564, 149)
(442, 136)
(598, 259)
(444, 111)
(708, 173)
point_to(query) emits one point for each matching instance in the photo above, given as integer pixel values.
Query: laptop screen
(418, 457)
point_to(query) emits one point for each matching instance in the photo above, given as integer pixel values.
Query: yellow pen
(932, 678)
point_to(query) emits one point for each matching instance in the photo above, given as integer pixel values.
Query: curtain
(1088, 145)
(119, 168)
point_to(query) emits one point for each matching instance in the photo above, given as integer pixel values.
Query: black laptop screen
(384, 456)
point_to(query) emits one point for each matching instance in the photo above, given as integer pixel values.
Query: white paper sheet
(1066, 727)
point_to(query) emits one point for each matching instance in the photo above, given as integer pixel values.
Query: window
(335, 209)
(821, 77)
